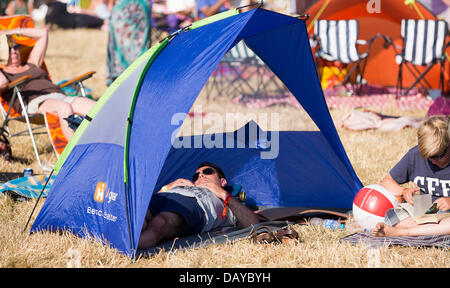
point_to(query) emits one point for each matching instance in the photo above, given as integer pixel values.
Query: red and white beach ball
(370, 205)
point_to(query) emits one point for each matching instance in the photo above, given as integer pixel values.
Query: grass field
(372, 153)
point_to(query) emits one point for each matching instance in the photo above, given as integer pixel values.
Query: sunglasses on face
(439, 156)
(15, 47)
(206, 171)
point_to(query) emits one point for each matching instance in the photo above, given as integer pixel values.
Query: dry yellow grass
(372, 154)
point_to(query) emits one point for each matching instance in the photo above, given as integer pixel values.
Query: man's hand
(443, 203)
(178, 182)
(216, 189)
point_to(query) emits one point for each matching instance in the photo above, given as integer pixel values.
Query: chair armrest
(361, 42)
(78, 79)
(19, 81)
(387, 42)
(314, 41)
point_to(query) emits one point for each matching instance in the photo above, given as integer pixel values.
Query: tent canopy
(116, 161)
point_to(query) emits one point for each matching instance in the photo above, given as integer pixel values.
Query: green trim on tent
(101, 101)
(156, 49)
(213, 18)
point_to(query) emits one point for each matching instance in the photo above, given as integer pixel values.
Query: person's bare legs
(162, 226)
(82, 105)
(62, 110)
(408, 227)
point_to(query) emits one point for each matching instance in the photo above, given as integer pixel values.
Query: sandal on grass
(263, 235)
(286, 234)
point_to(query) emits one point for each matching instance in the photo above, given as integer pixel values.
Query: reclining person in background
(57, 14)
(39, 94)
(184, 208)
(427, 165)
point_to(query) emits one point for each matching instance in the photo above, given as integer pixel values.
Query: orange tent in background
(381, 66)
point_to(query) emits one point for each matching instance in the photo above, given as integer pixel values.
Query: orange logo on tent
(99, 194)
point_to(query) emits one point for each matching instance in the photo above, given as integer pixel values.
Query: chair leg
(419, 78)
(5, 126)
(30, 131)
(81, 89)
(441, 76)
(350, 72)
(425, 85)
(399, 81)
(361, 84)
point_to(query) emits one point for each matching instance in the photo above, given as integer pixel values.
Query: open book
(424, 211)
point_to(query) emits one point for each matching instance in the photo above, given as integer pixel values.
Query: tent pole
(133, 256)
(37, 201)
(260, 3)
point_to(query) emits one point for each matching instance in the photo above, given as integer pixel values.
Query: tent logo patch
(99, 194)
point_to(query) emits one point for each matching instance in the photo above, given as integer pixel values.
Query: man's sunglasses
(439, 156)
(206, 171)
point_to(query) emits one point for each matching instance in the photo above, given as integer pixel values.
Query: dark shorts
(186, 207)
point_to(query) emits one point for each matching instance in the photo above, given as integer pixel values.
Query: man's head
(208, 172)
(434, 140)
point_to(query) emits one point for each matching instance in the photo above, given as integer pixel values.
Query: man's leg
(165, 225)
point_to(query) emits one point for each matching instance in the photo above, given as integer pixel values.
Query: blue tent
(123, 151)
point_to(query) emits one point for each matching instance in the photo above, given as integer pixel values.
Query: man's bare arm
(244, 215)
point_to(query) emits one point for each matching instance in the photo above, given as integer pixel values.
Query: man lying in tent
(184, 208)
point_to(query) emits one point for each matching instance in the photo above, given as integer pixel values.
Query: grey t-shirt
(210, 204)
(428, 177)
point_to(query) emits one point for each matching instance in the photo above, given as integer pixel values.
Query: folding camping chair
(336, 41)
(423, 45)
(242, 73)
(45, 123)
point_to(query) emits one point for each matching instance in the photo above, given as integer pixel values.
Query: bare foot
(383, 230)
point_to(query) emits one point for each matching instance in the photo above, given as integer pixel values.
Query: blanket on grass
(220, 235)
(28, 187)
(358, 120)
(441, 241)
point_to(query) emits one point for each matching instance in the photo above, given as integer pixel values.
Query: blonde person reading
(427, 165)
